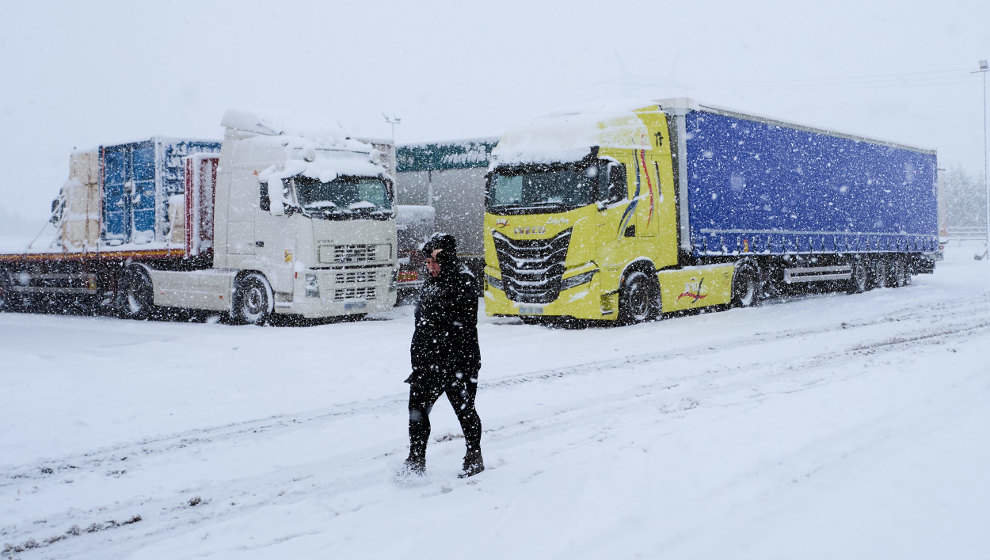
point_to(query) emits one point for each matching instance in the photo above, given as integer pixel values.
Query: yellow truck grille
(532, 268)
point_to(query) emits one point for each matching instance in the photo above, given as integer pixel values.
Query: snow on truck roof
(569, 136)
(322, 155)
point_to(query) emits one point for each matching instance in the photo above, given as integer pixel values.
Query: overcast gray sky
(81, 74)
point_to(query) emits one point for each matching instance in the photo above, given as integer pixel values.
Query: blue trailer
(136, 181)
(753, 185)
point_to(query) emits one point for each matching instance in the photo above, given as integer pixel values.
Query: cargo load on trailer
(676, 206)
(124, 195)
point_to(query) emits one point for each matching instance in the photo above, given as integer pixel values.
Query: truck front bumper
(320, 293)
(585, 301)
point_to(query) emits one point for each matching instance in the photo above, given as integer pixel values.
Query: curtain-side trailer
(677, 205)
(275, 223)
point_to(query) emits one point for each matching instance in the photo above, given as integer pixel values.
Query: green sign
(458, 154)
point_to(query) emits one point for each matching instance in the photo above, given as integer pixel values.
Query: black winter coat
(445, 340)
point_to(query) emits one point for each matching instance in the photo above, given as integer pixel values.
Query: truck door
(616, 218)
(275, 240)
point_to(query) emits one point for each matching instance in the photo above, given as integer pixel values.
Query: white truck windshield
(343, 197)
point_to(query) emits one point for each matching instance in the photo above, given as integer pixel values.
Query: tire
(881, 273)
(6, 294)
(638, 298)
(253, 301)
(137, 300)
(899, 273)
(860, 280)
(745, 286)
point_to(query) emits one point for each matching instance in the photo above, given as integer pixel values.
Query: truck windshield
(542, 188)
(345, 197)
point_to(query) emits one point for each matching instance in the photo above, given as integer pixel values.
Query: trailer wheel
(253, 301)
(899, 273)
(860, 278)
(745, 286)
(638, 298)
(137, 297)
(881, 273)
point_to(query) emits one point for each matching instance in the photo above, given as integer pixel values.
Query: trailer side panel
(767, 188)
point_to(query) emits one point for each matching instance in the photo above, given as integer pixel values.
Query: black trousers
(461, 389)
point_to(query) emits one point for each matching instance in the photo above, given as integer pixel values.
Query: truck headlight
(312, 285)
(494, 282)
(577, 280)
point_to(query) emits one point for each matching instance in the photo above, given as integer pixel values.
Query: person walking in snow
(445, 353)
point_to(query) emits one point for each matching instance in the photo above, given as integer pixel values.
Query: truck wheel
(253, 301)
(745, 286)
(860, 278)
(6, 294)
(137, 298)
(638, 299)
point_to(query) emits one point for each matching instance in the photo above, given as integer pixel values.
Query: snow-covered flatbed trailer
(272, 224)
(123, 205)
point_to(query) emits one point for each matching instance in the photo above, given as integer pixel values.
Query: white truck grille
(364, 293)
(355, 277)
(354, 253)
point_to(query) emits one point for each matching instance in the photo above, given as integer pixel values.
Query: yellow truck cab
(581, 216)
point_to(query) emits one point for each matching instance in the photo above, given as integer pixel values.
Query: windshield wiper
(531, 205)
(325, 208)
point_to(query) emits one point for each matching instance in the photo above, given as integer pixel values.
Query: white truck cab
(303, 225)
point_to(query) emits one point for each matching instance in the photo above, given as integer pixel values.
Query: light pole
(392, 120)
(986, 163)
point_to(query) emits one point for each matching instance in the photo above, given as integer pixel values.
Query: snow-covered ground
(830, 426)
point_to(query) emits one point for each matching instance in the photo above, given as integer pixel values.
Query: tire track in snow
(112, 459)
(244, 496)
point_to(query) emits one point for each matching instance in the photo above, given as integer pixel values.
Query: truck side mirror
(265, 202)
(278, 206)
(615, 181)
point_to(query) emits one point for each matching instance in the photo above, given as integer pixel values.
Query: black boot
(473, 463)
(415, 464)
